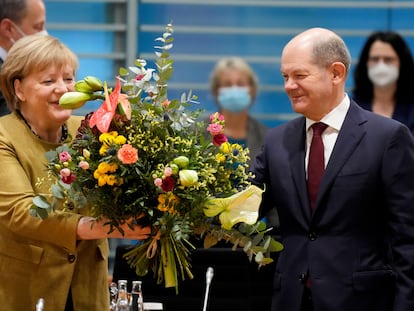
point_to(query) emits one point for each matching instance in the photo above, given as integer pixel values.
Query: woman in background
(234, 88)
(384, 77)
(62, 259)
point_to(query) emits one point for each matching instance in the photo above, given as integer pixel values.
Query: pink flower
(158, 182)
(84, 165)
(167, 184)
(128, 154)
(166, 103)
(168, 171)
(216, 117)
(139, 77)
(215, 129)
(69, 179)
(65, 172)
(64, 156)
(219, 139)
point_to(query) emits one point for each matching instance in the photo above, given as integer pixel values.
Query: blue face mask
(234, 99)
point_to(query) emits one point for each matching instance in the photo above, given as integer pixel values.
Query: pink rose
(84, 165)
(65, 172)
(128, 154)
(215, 129)
(158, 182)
(64, 156)
(167, 171)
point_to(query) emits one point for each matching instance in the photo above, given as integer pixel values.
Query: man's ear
(6, 26)
(338, 71)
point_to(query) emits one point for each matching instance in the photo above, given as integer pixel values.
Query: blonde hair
(232, 63)
(29, 54)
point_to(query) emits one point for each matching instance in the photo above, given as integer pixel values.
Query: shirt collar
(335, 118)
(3, 53)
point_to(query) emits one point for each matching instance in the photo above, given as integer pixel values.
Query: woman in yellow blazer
(62, 259)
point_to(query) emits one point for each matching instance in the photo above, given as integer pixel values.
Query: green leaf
(275, 246)
(41, 202)
(57, 192)
(43, 213)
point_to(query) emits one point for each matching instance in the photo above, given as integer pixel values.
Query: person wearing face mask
(18, 18)
(384, 77)
(234, 87)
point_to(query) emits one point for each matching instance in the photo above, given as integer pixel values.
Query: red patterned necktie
(316, 164)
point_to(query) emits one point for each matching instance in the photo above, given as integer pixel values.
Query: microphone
(209, 277)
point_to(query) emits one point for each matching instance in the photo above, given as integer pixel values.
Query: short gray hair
(329, 50)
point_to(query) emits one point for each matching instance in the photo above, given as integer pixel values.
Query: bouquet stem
(168, 262)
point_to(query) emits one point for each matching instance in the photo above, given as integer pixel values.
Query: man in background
(18, 18)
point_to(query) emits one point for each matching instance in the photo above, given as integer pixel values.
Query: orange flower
(167, 202)
(128, 154)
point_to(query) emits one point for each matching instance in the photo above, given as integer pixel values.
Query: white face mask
(382, 74)
(23, 34)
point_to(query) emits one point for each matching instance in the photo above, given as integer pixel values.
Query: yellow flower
(102, 180)
(108, 138)
(111, 180)
(240, 207)
(103, 168)
(120, 140)
(220, 157)
(167, 202)
(112, 167)
(104, 148)
(225, 147)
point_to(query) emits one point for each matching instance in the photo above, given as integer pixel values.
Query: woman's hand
(90, 228)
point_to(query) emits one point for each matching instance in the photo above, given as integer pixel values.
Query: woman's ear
(18, 89)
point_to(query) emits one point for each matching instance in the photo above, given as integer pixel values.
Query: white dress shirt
(334, 119)
(3, 53)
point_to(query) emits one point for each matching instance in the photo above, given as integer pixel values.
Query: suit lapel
(296, 142)
(349, 136)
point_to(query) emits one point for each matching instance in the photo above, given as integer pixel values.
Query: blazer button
(71, 257)
(312, 236)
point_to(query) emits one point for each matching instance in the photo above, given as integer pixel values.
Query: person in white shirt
(348, 240)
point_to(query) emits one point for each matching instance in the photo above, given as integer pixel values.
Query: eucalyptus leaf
(41, 202)
(43, 213)
(57, 192)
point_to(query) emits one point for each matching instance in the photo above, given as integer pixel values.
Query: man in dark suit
(353, 250)
(18, 18)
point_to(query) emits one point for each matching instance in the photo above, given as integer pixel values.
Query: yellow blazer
(42, 258)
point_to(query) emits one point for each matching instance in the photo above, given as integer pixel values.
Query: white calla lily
(240, 207)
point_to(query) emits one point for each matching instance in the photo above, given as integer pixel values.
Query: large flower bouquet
(142, 155)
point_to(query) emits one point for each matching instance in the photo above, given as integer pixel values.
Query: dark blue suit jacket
(358, 246)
